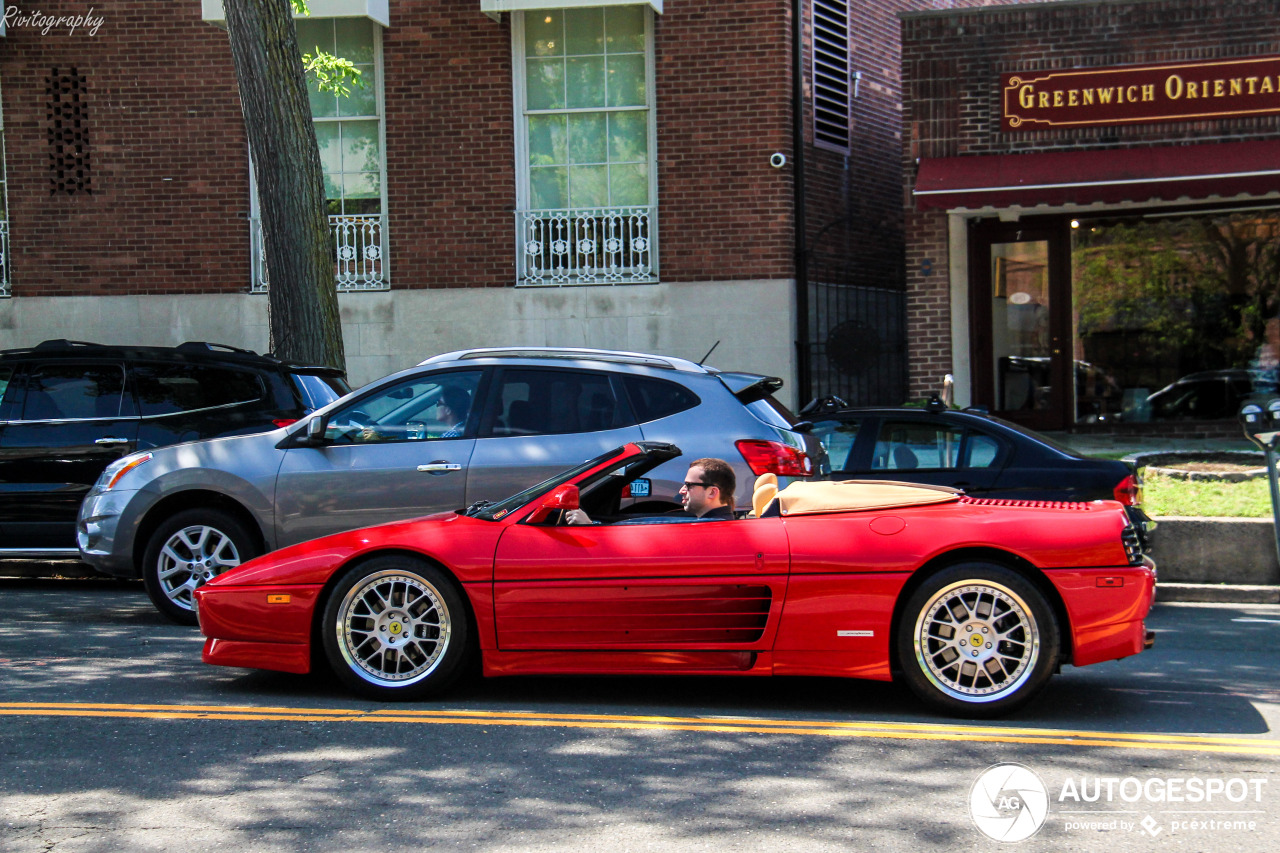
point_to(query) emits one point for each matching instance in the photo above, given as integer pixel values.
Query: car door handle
(107, 441)
(439, 467)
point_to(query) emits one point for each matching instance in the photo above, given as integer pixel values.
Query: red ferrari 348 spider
(973, 603)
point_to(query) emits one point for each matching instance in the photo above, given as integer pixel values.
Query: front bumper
(98, 533)
(258, 627)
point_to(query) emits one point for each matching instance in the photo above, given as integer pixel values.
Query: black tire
(977, 640)
(396, 628)
(188, 549)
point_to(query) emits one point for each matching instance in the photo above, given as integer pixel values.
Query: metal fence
(857, 344)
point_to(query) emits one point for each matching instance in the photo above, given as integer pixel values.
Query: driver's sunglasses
(689, 485)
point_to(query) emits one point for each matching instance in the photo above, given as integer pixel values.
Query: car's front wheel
(188, 550)
(977, 640)
(396, 628)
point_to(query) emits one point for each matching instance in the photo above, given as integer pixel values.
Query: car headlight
(116, 470)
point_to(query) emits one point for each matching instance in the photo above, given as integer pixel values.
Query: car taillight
(1132, 545)
(1129, 491)
(774, 457)
(284, 422)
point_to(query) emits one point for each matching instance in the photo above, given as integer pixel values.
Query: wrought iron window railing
(598, 245)
(360, 253)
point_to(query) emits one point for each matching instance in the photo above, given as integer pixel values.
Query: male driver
(707, 492)
(708, 489)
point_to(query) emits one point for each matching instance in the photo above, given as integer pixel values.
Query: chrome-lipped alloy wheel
(191, 557)
(393, 628)
(977, 641)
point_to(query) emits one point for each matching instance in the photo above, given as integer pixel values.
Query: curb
(1218, 593)
(18, 568)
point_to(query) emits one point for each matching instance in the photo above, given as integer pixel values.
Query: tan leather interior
(765, 489)
(803, 497)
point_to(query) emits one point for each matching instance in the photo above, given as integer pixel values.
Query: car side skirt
(499, 663)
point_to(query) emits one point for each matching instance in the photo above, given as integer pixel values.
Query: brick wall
(170, 192)
(170, 197)
(450, 160)
(724, 106)
(856, 202)
(951, 68)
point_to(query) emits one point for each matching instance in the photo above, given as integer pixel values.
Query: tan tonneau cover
(808, 497)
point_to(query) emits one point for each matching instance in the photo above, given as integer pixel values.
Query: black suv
(68, 409)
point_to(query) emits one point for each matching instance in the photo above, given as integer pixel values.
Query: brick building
(1093, 223)
(516, 173)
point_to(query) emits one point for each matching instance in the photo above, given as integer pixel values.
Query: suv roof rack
(573, 354)
(204, 346)
(63, 343)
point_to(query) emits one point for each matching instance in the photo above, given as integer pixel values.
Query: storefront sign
(1184, 91)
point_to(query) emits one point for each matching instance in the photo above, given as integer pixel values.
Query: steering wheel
(357, 419)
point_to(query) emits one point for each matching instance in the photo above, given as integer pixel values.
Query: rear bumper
(1107, 609)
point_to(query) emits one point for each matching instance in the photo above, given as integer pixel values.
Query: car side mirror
(559, 499)
(315, 431)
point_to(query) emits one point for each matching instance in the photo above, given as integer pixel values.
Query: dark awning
(1166, 173)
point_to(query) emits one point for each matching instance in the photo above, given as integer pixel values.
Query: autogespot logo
(1009, 802)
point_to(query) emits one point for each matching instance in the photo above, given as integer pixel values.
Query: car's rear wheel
(188, 550)
(977, 640)
(396, 628)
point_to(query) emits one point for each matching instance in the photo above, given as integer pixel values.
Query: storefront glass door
(1021, 324)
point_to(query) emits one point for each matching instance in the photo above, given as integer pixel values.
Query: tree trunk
(305, 322)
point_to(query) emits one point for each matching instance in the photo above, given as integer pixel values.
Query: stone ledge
(1216, 551)
(1218, 593)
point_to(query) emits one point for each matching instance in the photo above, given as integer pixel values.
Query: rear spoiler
(749, 387)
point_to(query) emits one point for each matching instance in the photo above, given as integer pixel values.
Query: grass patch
(1206, 498)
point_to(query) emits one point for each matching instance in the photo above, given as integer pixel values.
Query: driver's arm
(577, 516)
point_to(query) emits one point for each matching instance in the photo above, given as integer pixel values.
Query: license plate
(640, 488)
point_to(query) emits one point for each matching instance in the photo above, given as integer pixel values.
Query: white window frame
(346, 280)
(524, 275)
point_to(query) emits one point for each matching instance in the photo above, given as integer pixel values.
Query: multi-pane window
(587, 107)
(587, 182)
(347, 128)
(350, 137)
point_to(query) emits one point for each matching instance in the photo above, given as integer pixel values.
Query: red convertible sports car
(973, 603)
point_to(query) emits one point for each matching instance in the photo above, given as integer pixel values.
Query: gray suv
(460, 427)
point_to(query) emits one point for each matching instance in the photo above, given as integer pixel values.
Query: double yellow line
(721, 725)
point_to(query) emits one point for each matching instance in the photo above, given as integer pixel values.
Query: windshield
(492, 512)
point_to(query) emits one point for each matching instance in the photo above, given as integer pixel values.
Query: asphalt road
(116, 737)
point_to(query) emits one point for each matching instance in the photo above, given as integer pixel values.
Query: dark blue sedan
(983, 455)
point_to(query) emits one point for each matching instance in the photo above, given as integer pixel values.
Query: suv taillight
(1129, 491)
(284, 422)
(774, 457)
